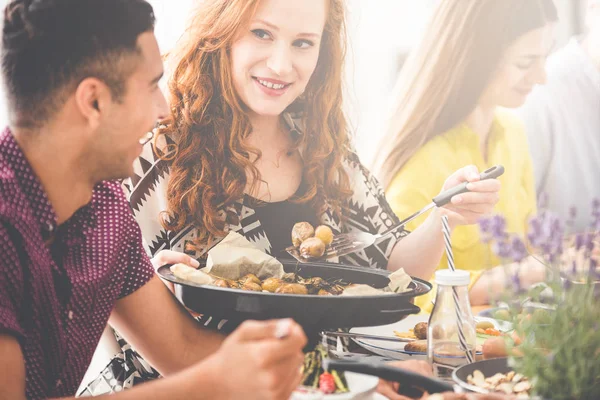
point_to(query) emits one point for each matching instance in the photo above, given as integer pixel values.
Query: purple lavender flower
(518, 249)
(502, 249)
(485, 228)
(595, 223)
(546, 234)
(516, 282)
(493, 228)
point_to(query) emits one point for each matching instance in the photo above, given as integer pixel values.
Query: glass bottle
(451, 329)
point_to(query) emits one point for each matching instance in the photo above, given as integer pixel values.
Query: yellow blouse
(422, 178)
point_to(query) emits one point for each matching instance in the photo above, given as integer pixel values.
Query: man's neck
(57, 164)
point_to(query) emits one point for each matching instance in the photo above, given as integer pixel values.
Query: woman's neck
(265, 129)
(480, 121)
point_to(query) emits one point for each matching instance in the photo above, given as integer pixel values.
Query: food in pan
(314, 376)
(510, 383)
(311, 242)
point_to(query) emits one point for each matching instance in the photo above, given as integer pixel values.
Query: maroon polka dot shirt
(58, 284)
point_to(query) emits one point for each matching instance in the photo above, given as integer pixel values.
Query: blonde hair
(445, 76)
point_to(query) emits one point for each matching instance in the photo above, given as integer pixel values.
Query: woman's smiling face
(273, 61)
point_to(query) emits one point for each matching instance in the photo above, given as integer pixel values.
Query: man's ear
(92, 98)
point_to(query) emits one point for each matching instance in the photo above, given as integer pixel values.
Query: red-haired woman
(257, 141)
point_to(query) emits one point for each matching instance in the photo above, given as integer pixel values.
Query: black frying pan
(313, 313)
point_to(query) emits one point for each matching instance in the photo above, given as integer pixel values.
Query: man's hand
(468, 208)
(260, 360)
(390, 389)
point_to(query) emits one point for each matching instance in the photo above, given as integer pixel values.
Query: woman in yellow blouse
(476, 56)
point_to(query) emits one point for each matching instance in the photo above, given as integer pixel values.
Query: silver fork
(355, 241)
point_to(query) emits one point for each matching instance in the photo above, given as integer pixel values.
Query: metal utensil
(365, 336)
(352, 242)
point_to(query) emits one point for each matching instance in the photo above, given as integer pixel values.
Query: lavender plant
(561, 355)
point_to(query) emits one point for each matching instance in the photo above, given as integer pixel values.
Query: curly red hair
(209, 124)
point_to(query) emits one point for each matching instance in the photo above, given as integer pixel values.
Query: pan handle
(390, 373)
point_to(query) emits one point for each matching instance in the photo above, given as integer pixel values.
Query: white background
(380, 33)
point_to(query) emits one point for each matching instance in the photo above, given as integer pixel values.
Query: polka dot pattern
(59, 284)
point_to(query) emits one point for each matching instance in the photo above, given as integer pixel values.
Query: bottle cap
(452, 278)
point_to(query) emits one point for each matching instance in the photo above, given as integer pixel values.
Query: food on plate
(488, 331)
(418, 332)
(496, 347)
(484, 325)
(417, 346)
(312, 248)
(324, 233)
(421, 330)
(314, 376)
(510, 383)
(406, 335)
(300, 232)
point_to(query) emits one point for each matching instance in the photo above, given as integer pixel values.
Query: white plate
(393, 350)
(362, 387)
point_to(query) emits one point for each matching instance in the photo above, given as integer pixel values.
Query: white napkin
(188, 273)
(235, 257)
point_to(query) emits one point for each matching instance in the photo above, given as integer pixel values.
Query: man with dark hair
(82, 83)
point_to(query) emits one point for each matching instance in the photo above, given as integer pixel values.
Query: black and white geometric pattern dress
(367, 210)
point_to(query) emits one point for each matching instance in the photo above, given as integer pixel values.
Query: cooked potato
(312, 248)
(250, 278)
(324, 233)
(421, 330)
(300, 232)
(252, 286)
(292, 288)
(221, 283)
(323, 292)
(271, 284)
